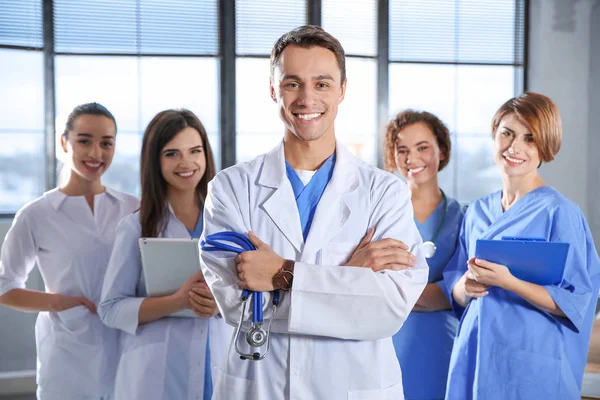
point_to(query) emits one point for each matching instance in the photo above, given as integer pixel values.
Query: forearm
(432, 299)
(154, 308)
(537, 295)
(30, 300)
(341, 301)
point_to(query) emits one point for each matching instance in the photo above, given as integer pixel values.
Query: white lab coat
(163, 359)
(77, 355)
(332, 332)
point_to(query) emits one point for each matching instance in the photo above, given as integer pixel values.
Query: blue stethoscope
(256, 336)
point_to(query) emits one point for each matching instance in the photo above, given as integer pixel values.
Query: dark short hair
(87, 109)
(308, 36)
(410, 117)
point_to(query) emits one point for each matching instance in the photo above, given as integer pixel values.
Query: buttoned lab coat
(77, 355)
(331, 336)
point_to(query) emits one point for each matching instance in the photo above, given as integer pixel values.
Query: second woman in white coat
(165, 357)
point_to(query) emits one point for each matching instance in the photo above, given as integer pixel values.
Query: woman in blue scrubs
(517, 339)
(418, 146)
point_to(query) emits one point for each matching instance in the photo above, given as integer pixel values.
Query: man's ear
(343, 93)
(272, 89)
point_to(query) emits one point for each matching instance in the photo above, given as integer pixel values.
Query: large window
(134, 89)
(457, 59)
(156, 55)
(22, 151)
(259, 23)
(21, 128)
(354, 24)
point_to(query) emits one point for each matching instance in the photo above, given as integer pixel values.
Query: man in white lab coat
(309, 207)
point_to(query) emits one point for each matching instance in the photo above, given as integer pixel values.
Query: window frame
(227, 82)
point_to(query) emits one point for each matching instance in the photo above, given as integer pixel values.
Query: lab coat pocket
(394, 392)
(75, 319)
(232, 387)
(141, 373)
(520, 374)
(334, 254)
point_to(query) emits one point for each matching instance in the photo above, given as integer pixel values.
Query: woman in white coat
(69, 234)
(165, 357)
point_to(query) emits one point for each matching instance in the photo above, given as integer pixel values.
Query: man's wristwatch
(284, 278)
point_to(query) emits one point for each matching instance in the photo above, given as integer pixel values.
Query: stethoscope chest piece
(429, 249)
(429, 246)
(256, 336)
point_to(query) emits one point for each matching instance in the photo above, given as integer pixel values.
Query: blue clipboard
(530, 259)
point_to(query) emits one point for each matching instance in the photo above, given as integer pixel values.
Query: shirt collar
(57, 198)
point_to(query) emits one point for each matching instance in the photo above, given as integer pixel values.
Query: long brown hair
(162, 129)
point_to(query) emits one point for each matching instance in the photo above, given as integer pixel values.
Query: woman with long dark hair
(165, 357)
(69, 234)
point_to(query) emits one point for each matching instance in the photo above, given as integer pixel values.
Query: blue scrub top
(506, 348)
(424, 343)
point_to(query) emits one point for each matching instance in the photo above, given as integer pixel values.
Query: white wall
(17, 338)
(561, 66)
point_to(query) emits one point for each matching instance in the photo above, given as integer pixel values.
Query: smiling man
(335, 236)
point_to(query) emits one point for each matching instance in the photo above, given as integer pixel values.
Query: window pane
(424, 87)
(258, 123)
(422, 30)
(21, 23)
(487, 31)
(356, 122)
(259, 23)
(136, 26)
(95, 26)
(191, 83)
(112, 82)
(179, 27)
(353, 23)
(22, 161)
(477, 175)
(481, 90)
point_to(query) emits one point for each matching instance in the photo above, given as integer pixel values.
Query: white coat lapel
(175, 228)
(333, 211)
(281, 205)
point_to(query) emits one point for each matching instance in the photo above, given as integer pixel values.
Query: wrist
(284, 278)
(179, 300)
(57, 303)
(511, 284)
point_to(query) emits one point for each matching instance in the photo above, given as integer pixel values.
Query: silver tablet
(167, 264)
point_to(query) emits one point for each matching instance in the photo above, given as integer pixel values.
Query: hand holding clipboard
(530, 259)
